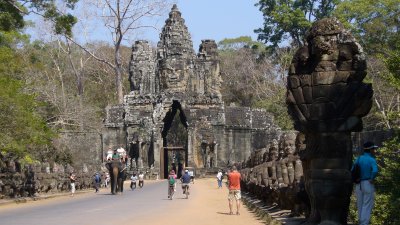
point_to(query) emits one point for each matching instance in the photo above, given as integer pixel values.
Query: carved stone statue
(326, 98)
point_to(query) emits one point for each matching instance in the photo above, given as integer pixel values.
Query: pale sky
(205, 19)
(216, 19)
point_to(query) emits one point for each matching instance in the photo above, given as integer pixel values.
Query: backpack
(171, 180)
(356, 173)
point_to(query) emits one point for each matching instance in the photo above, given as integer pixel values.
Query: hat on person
(370, 145)
(186, 171)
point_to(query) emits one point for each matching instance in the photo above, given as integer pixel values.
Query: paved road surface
(206, 205)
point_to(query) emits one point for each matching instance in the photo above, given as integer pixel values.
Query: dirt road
(207, 205)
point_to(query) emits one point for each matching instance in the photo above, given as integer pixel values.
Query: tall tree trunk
(78, 75)
(118, 73)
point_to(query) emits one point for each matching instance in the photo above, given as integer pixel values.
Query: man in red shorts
(234, 189)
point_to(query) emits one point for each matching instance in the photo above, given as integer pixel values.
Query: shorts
(234, 194)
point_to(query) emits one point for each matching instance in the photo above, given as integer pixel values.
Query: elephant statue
(117, 176)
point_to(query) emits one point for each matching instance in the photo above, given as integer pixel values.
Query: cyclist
(171, 184)
(185, 179)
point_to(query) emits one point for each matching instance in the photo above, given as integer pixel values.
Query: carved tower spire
(175, 54)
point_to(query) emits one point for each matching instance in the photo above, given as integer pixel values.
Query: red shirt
(234, 180)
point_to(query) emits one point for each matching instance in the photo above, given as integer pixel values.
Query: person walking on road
(141, 179)
(219, 178)
(72, 180)
(97, 180)
(234, 190)
(365, 190)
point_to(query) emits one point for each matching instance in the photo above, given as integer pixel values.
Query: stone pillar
(191, 137)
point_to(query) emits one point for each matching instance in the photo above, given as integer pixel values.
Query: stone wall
(41, 178)
(18, 180)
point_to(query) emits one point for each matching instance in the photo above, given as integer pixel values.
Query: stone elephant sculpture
(117, 176)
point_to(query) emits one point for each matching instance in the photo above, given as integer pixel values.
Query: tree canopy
(289, 20)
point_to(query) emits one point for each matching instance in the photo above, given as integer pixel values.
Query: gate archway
(174, 154)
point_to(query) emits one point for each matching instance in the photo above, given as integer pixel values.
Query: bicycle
(185, 188)
(171, 191)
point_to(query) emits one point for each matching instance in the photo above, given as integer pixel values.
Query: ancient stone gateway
(175, 103)
(327, 99)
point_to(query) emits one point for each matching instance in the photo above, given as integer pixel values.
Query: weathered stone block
(325, 66)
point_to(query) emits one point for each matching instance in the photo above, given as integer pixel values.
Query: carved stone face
(173, 74)
(273, 150)
(300, 142)
(288, 143)
(324, 44)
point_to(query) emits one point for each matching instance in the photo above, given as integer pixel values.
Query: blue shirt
(185, 178)
(369, 168)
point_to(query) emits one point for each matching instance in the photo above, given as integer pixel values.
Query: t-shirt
(115, 156)
(219, 175)
(234, 180)
(133, 178)
(185, 178)
(141, 177)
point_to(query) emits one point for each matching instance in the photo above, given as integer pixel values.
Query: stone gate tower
(174, 114)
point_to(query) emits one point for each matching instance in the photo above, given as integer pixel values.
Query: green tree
(253, 78)
(375, 24)
(289, 20)
(387, 202)
(13, 11)
(22, 128)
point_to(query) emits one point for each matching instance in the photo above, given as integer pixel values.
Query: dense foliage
(387, 203)
(23, 129)
(253, 78)
(289, 20)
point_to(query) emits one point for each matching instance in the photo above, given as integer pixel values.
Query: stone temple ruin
(174, 116)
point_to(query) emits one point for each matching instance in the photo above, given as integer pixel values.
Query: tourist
(109, 154)
(107, 180)
(171, 183)
(133, 181)
(97, 180)
(234, 189)
(141, 179)
(122, 153)
(72, 180)
(115, 155)
(185, 179)
(219, 178)
(365, 190)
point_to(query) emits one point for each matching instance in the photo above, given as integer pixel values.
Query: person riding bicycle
(171, 183)
(185, 179)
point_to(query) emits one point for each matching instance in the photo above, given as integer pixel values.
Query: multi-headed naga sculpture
(327, 99)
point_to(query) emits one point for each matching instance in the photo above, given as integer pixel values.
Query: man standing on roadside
(365, 190)
(234, 189)
(219, 178)
(72, 180)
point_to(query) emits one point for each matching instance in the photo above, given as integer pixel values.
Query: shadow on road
(224, 213)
